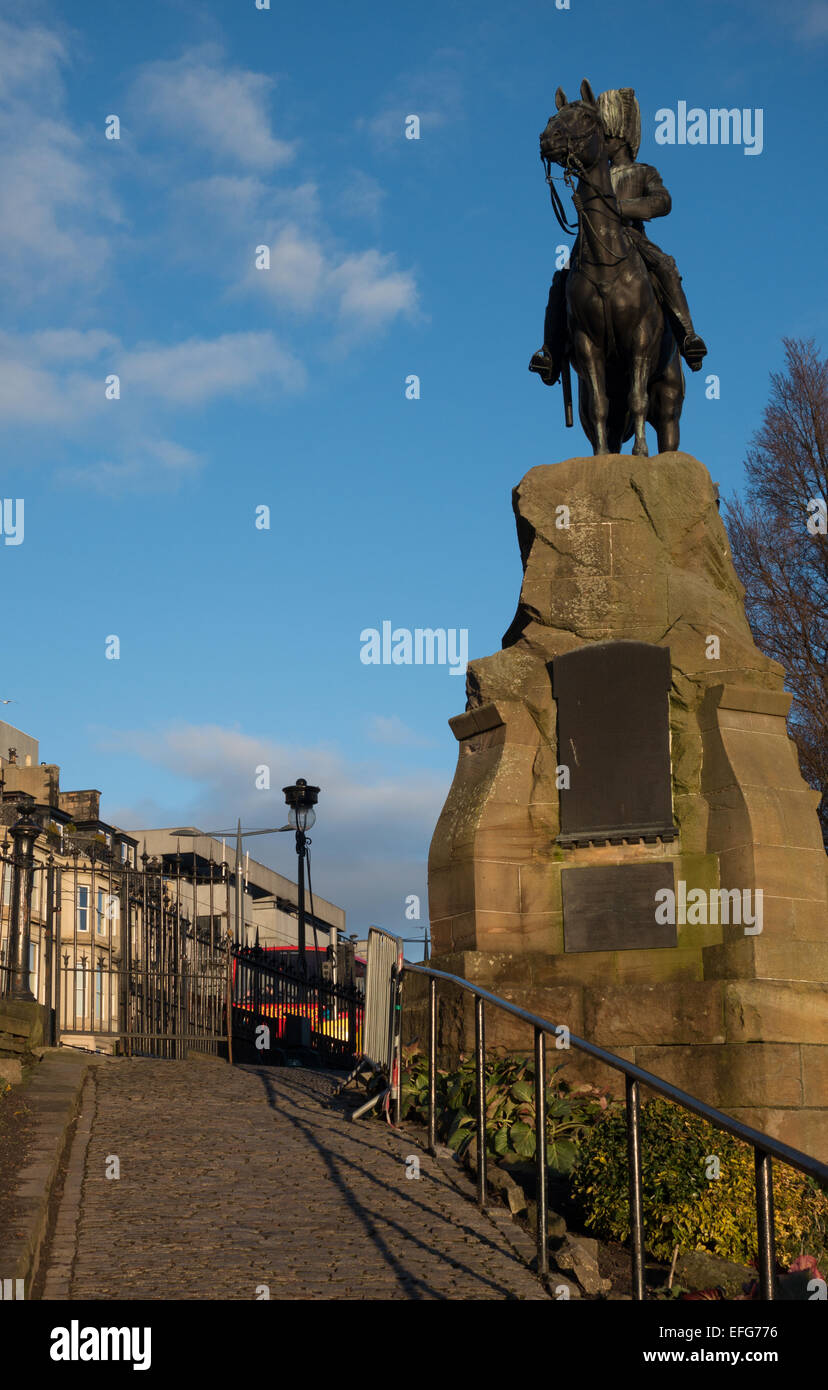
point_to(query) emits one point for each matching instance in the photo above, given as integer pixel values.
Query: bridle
(557, 205)
(572, 169)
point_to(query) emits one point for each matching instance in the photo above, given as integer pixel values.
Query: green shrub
(510, 1107)
(681, 1205)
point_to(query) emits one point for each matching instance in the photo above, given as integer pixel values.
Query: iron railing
(289, 1005)
(148, 1011)
(139, 958)
(765, 1148)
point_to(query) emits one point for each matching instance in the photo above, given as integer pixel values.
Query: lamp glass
(301, 818)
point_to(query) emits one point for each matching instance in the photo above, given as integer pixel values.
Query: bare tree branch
(781, 562)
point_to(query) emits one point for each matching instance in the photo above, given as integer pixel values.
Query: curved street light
(300, 799)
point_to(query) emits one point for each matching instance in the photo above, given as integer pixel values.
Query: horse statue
(620, 339)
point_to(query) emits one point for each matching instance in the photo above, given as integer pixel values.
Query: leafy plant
(681, 1205)
(509, 1107)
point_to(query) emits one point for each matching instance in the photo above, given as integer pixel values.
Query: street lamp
(24, 834)
(300, 800)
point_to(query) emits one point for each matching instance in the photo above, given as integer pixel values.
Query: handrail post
(480, 1068)
(540, 1148)
(634, 1166)
(764, 1222)
(432, 1065)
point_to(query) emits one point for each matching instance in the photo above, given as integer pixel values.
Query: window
(81, 992)
(33, 952)
(7, 885)
(101, 913)
(99, 977)
(83, 908)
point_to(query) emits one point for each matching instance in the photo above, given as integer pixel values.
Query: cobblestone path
(234, 1178)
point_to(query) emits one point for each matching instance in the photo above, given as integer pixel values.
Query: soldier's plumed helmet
(621, 116)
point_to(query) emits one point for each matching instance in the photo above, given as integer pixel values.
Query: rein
(570, 168)
(557, 205)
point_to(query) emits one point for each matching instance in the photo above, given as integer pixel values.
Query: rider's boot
(547, 367)
(692, 348)
(548, 360)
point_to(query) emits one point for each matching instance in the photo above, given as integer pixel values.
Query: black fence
(276, 1009)
(143, 1011)
(135, 956)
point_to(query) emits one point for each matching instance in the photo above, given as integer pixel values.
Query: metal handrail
(765, 1148)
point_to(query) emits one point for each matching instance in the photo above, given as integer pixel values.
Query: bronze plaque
(614, 739)
(613, 907)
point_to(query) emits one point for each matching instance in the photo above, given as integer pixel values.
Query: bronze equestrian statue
(619, 313)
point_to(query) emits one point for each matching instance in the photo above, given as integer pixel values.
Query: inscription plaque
(613, 907)
(614, 737)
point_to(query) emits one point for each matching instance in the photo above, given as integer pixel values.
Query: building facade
(107, 913)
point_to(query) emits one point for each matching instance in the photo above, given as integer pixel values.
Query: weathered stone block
(643, 1014)
(724, 1075)
(773, 1011)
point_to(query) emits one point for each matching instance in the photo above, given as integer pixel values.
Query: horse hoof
(641, 451)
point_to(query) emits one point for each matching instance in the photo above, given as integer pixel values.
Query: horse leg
(585, 412)
(593, 384)
(616, 418)
(665, 405)
(639, 401)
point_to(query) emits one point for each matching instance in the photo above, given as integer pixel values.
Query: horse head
(574, 137)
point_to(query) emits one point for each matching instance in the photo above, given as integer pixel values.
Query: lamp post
(239, 867)
(300, 800)
(24, 835)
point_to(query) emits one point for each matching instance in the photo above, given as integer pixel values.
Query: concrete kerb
(52, 1093)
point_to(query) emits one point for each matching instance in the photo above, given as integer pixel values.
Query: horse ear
(560, 98)
(587, 94)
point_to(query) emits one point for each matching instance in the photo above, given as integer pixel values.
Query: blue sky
(242, 127)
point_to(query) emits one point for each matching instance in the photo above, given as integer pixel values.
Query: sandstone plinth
(621, 549)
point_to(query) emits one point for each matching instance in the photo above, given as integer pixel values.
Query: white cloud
(55, 200)
(364, 290)
(153, 465)
(29, 57)
(373, 830)
(371, 292)
(39, 387)
(223, 109)
(196, 371)
(368, 812)
(32, 393)
(297, 268)
(72, 344)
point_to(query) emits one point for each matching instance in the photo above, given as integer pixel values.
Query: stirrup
(693, 350)
(544, 365)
